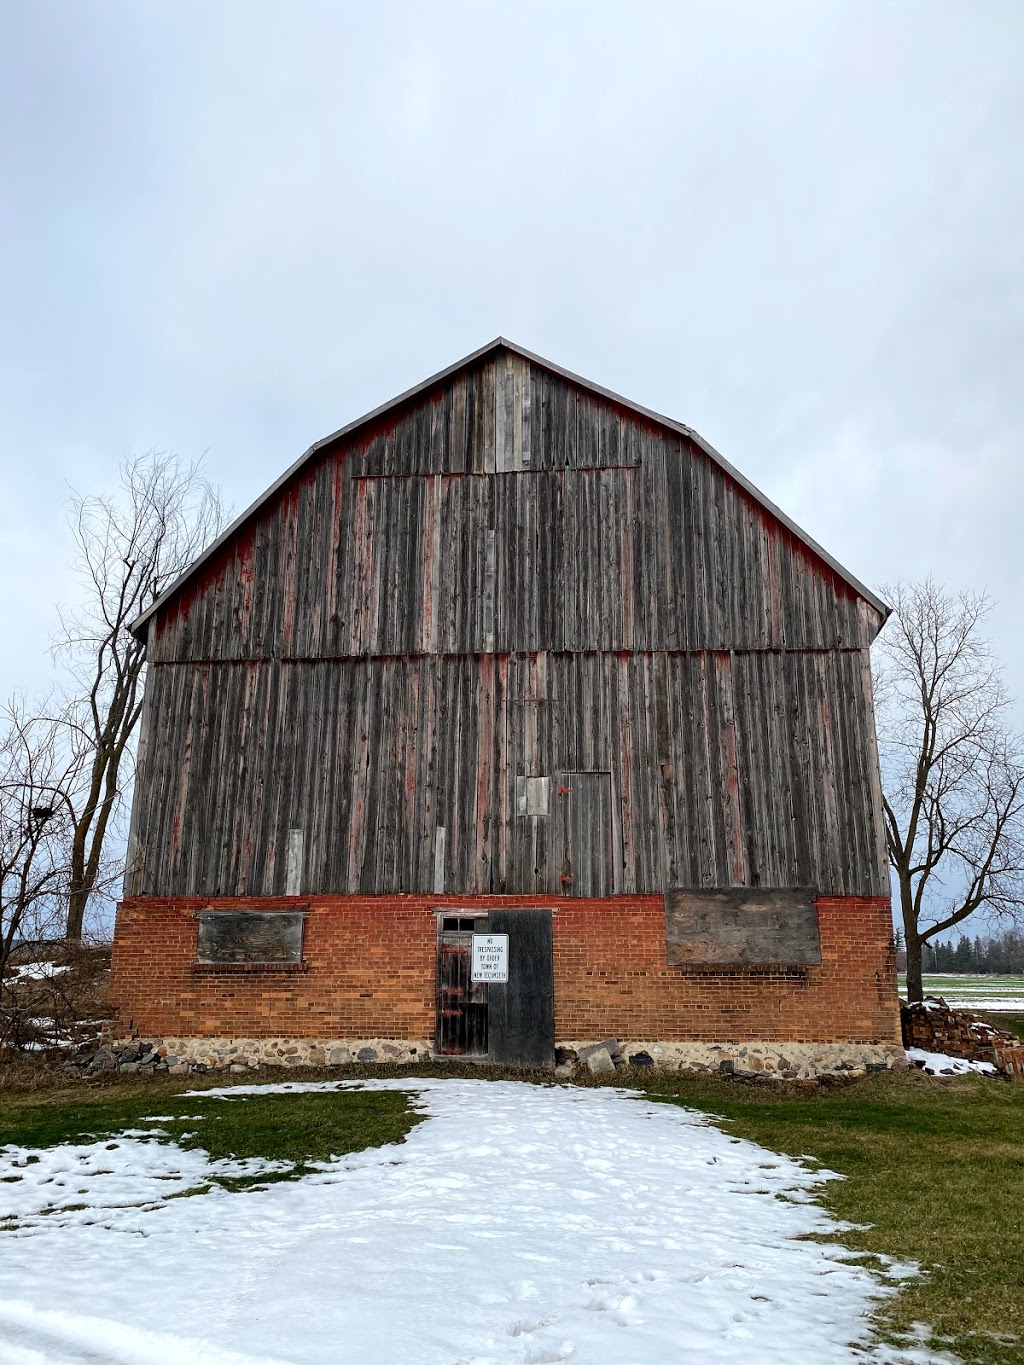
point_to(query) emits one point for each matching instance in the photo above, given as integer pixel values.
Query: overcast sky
(232, 227)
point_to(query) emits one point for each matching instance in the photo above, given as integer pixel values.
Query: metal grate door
(461, 1005)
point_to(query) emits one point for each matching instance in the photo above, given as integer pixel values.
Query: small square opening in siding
(253, 937)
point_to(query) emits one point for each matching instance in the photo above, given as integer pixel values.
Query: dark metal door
(521, 1013)
(461, 1005)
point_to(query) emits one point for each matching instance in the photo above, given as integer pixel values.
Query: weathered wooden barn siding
(725, 769)
(614, 535)
(512, 577)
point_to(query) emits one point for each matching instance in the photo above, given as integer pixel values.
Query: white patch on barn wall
(440, 835)
(533, 795)
(293, 864)
(490, 559)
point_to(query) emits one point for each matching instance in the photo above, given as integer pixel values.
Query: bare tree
(130, 548)
(36, 774)
(952, 767)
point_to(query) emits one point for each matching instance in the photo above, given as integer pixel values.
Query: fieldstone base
(217, 1054)
(779, 1061)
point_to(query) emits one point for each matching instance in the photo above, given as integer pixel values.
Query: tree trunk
(915, 987)
(76, 915)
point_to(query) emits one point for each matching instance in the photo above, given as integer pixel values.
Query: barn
(512, 718)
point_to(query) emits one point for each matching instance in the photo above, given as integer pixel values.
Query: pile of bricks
(934, 1026)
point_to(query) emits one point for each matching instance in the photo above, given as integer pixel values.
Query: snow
(991, 1004)
(518, 1224)
(37, 971)
(938, 1064)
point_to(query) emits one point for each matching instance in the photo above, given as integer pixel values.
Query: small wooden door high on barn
(583, 816)
(521, 1011)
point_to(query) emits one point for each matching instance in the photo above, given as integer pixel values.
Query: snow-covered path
(518, 1224)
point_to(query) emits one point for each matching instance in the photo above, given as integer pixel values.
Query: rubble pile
(934, 1026)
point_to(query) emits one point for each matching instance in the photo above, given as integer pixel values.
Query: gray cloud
(796, 227)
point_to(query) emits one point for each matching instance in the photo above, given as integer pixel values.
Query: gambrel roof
(501, 344)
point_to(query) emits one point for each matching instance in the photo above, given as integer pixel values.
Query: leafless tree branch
(36, 775)
(130, 548)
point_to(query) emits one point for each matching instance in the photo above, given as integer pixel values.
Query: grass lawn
(299, 1128)
(1012, 1022)
(936, 1167)
(997, 993)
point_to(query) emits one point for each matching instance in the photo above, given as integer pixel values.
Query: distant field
(991, 993)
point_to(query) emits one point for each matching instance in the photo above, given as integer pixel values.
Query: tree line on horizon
(991, 955)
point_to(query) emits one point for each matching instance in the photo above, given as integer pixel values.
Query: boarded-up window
(250, 936)
(742, 926)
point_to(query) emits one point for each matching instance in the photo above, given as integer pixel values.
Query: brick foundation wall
(370, 962)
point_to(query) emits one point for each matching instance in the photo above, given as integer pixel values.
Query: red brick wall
(369, 973)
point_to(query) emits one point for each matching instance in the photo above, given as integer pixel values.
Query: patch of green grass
(935, 1167)
(296, 1128)
(1013, 1023)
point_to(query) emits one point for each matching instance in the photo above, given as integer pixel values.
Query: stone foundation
(779, 1061)
(215, 1054)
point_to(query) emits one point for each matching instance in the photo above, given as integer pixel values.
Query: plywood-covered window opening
(250, 938)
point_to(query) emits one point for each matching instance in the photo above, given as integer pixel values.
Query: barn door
(584, 813)
(521, 1011)
(461, 1002)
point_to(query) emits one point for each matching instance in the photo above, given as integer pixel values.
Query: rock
(641, 1059)
(129, 1054)
(367, 1054)
(317, 1057)
(144, 1050)
(391, 1052)
(565, 1054)
(236, 1066)
(172, 1061)
(104, 1060)
(565, 1071)
(339, 1056)
(727, 1067)
(150, 1059)
(599, 1061)
(609, 1045)
(126, 1067)
(179, 1069)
